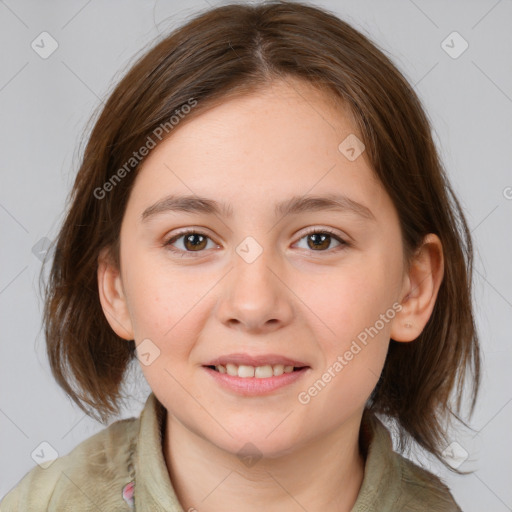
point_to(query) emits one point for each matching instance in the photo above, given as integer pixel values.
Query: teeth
(232, 370)
(245, 371)
(263, 372)
(259, 372)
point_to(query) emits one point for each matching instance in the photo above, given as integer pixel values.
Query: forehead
(277, 142)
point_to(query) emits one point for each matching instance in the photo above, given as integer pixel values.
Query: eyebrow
(295, 205)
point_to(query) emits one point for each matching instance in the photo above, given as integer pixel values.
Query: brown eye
(192, 241)
(195, 242)
(321, 240)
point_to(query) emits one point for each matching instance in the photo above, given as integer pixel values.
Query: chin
(256, 442)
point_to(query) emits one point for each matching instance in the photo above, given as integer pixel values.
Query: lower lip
(252, 386)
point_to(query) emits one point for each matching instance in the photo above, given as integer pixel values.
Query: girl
(262, 219)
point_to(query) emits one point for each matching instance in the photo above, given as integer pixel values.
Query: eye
(318, 239)
(193, 241)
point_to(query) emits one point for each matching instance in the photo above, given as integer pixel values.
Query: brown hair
(233, 50)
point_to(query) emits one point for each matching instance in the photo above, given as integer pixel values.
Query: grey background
(45, 104)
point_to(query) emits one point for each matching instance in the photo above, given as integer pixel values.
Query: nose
(255, 296)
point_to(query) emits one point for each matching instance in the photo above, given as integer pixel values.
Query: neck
(325, 474)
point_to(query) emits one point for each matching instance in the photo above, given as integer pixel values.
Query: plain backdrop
(46, 102)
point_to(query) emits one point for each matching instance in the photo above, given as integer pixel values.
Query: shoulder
(421, 490)
(393, 482)
(89, 477)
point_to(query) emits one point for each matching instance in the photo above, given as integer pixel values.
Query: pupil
(319, 239)
(196, 244)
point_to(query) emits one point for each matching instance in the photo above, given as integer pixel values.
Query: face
(311, 287)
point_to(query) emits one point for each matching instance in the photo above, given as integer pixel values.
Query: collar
(154, 492)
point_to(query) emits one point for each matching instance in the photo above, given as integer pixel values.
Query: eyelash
(312, 231)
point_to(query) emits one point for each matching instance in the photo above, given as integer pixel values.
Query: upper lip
(255, 360)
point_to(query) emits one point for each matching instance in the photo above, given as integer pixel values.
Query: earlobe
(112, 297)
(421, 287)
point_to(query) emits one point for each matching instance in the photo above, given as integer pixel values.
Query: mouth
(257, 372)
(263, 366)
(262, 380)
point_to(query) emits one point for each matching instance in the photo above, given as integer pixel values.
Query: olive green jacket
(122, 468)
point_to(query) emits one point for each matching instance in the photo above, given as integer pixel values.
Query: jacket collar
(154, 491)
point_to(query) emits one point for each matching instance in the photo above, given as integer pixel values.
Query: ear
(112, 296)
(419, 292)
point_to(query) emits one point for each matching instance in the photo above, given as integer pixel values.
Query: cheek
(361, 310)
(351, 298)
(356, 311)
(159, 295)
(168, 306)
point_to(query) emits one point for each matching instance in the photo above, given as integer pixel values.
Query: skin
(294, 300)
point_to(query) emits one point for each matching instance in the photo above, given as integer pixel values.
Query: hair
(230, 51)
